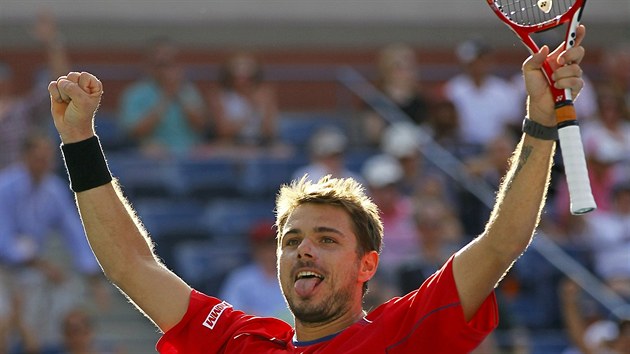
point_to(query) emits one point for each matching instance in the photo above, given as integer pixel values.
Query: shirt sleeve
(214, 326)
(432, 317)
(206, 326)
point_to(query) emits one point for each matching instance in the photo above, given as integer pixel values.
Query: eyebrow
(318, 229)
(328, 229)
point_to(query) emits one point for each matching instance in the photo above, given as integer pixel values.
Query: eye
(327, 239)
(291, 242)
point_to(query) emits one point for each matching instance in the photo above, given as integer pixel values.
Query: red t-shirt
(427, 320)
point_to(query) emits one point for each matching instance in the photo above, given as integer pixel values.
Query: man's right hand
(74, 99)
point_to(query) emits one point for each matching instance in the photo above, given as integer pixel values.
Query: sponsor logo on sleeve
(215, 313)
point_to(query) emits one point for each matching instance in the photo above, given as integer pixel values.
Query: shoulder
(437, 291)
(432, 317)
(209, 324)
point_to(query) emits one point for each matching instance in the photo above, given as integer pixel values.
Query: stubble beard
(331, 307)
(326, 310)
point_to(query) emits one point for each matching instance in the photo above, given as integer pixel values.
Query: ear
(369, 264)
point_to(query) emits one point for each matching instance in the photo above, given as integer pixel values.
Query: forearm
(479, 266)
(520, 199)
(574, 324)
(57, 57)
(113, 231)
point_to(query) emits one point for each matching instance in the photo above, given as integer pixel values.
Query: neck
(306, 332)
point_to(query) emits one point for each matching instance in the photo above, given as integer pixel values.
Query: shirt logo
(215, 313)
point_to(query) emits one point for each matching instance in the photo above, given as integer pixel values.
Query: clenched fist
(74, 99)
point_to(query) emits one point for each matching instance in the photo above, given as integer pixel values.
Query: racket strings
(531, 12)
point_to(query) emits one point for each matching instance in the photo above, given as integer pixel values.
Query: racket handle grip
(581, 197)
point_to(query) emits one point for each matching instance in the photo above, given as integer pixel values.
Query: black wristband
(86, 165)
(539, 131)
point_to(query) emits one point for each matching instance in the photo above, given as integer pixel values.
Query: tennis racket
(529, 17)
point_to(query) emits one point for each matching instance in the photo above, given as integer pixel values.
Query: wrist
(74, 136)
(85, 164)
(537, 113)
(539, 131)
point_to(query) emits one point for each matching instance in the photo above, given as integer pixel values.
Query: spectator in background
(494, 160)
(35, 203)
(327, 148)
(594, 335)
(383, 174)
(244, 107)
(254, 288)
(611, 129)
(443, 126)
(20, 115)
(609, 239)
(403, 141)
(440, 234)
(79, 335)
(164, 112)
(397, 79)
(486, 103)
(487, 167)
(616, 65)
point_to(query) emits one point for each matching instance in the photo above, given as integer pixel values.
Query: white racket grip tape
(581, 197)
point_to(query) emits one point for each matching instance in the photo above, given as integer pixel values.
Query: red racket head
(530, 16)
(527, 17)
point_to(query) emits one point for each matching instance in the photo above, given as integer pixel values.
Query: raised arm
(45, 30)
(574, 324)
(121, 245)
(479, 266)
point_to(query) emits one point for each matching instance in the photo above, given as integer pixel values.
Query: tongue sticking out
(304, 287)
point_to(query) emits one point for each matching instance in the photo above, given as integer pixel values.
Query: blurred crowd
(165, 119)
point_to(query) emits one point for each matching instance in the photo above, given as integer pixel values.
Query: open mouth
(306, 283)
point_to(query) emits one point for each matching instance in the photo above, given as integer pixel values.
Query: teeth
(308, 274)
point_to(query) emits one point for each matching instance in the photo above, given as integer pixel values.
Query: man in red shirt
(329, 238)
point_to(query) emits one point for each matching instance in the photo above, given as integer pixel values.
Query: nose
(305, 249)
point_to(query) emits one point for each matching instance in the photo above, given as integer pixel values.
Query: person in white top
(244, 107)
(486, 103)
